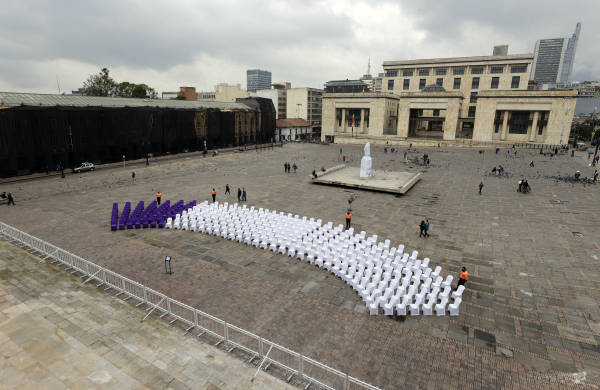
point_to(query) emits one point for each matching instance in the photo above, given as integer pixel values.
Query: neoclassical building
(470, 98)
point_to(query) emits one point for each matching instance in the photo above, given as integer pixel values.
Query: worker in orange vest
(214, 194)
(464, 276)
(348, 219)
(158, 196)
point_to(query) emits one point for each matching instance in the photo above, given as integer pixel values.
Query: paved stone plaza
(529, 317)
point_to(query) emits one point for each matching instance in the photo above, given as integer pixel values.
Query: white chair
(310, 257)
(453, 308)
(433, 293)
(417, 276)
(248, 241)
(264, 245)
(445, 293)
(438, 282)
(300, 253)
(319, 260)
(292, 250)
(426, 274)
(448, 281)
(425, 264)
(458, 293)
(436, 273)
(414, 255)
(428, 307)
(440, 308)
(169, 224)
(401, 307)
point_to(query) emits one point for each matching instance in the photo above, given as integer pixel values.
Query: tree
(103, 85)
(100, 84)
(179, 97)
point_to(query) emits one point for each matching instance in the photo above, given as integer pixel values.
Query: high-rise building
(258, 79)
(553, 59)
(307, 104)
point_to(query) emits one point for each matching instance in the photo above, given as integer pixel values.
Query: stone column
(362, 121)
(504, 125)
(344, 127)
(533, 126)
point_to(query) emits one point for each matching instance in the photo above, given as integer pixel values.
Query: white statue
(365, 163)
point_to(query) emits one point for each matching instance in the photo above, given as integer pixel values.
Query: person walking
(463, 278)
(596, 175)
(11, 199)
(285, 167)
(427, 228)
(227, 189)
(428, 162)
(422, 228)
(214, 194)
(239, 195)
(340, 150)
(133, 175)
(508, 154)
(348, 219)
(352, 199)
(158, 197)
(295, 167)
(243, 194)
(47, 170)
(480, 187)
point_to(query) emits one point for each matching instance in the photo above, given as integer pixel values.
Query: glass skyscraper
(553, 59)
(257, 79)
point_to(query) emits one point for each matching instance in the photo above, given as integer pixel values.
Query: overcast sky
(168, 44)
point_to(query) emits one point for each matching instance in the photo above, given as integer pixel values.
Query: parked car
(84, 167)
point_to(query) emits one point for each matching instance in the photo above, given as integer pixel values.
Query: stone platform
(384, 181)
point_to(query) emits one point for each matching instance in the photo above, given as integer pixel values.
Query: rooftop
(14, 99)
(438, 61)
(292, 123)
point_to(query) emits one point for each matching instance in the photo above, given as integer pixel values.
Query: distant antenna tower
(58, 84)
(369, 67)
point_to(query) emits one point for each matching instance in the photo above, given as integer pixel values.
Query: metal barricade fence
(279, 357)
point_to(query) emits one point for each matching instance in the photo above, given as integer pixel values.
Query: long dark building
(39, 130)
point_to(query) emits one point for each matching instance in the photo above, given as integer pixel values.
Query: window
(38, 143)
(495, 82)
(407, 73)
(391, 73)
(436, 112)
(97, 121)
(406, 84)
(471, 113)
(82, 121)
(111, 136)
(497, 69)
(518, 69)
(133, 121)
(518, 128)
(19, 143)
(99, 138)
(421, 83)
(419, 112)
(52, 122)
(458, 71)
(109, 121)
(67, 122)
(144, 134)
(123, 139)
(439, 81)
(143, 121)
(497, 128)
(68, 139)
(121, 121)
(516, 80)
(423, 72)
(440, 72)
(473, 97)
(54, 141)
(245, 119)
(134, 136)
(541, 130)
(476, 70)
(84, 139)
(457, 83)
(390, 85)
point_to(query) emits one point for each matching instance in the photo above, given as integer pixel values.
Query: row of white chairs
(372, 268)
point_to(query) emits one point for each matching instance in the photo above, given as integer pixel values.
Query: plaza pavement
(54, 335)
(529, 317)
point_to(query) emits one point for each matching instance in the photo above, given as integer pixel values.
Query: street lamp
(123, 161)
(298, 117)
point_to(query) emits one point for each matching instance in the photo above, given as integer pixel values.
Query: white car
(84, 167)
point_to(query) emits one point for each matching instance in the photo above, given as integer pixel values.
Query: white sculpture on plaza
(366, 163)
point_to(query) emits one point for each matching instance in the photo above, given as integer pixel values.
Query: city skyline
(305, 45)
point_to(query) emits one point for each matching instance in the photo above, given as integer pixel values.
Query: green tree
(179, 97)
(100, 84)
(132, 90)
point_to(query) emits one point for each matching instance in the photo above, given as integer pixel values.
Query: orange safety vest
(348, 216)
(214, 192)
(464, 275)
(158, 195)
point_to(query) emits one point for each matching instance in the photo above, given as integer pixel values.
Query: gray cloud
(175, 43)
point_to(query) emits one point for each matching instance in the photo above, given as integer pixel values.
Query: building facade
(292, 129)
(467, 75)
(223, 93)
(516, 116)
(188, 92)
(271, 94)
(378, 83)
(307, 104)
(282, 87)
(553, 59)
(258, 79)
(585, 89)
(45, 130)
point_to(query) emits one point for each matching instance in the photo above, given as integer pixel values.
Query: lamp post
(123, 161)
(594, 137)
(298, 116)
